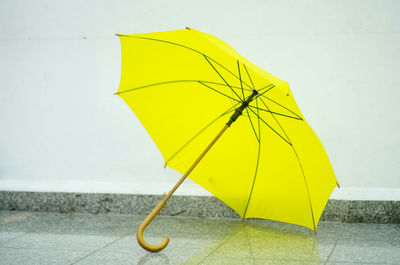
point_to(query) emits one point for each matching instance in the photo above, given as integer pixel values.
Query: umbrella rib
(300, 164)
(277, 113)
(306, 184)
(240, 78)
(221, 84)
(282, 106)
(267, 86)
(241, 85)
(283, 138)
(170, 82)
(183, 46)
(199, 132)
(218, 91)
(257, 165)
(270, 86)
(252, 126)
(251, 81)
(213, 67)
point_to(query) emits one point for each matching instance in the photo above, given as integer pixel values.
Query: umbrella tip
(116, 93)
(188, 28)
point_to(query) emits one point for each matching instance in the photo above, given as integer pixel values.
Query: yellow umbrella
(187, 88)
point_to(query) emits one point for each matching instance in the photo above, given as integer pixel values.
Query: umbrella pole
(161, 204)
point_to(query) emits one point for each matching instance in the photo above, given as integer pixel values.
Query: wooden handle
(161, 204)
(145, 223)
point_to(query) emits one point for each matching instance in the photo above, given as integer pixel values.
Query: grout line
(97, 250)
(327, 259)
(337, 240)
(223, 243)
(248, 241)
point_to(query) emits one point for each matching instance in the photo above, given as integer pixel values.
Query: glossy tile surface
(56, 238)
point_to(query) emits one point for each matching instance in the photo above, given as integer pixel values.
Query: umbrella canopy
(185, 85)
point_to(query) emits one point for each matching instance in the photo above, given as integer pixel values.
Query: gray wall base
(194, 206)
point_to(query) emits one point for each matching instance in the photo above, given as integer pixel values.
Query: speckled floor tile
(5, 236)
(271, 244)
(55, 238)
(287, 262)
(352, 263)
(285, 248)
(231, 261)
(60, 242)
(372, 233)
(332, 229)
(237, 246)
(365, 251)
(183, 232)
(11, 256)
(368, 243)
(325, 246)
(15, 221)
(182, 247)
(191, 239)
(58, 223)
(120, 258)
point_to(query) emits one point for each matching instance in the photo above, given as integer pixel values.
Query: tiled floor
(54, 238)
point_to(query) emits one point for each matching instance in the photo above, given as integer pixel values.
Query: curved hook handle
(145, 223)
(161, 204)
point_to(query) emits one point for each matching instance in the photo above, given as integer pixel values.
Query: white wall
(63, 130)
